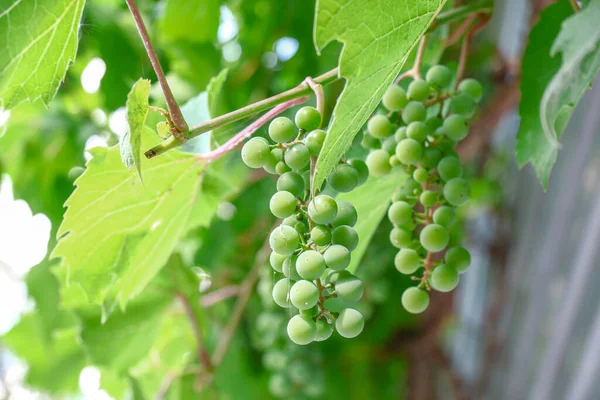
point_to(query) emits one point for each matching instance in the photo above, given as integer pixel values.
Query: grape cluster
(312, 246)
(424, 124)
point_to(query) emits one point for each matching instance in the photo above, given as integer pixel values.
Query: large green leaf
(38, 41)
(137, 110)
(377, 41)
(190, 20)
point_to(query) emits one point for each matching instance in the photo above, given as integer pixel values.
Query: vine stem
(414, 72)
(174, 110)
(320, 95)
(575, 6)
(464, 50)
(481, 7)
(203, 355)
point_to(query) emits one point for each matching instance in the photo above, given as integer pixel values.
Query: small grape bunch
(312, 246)
(423, 125)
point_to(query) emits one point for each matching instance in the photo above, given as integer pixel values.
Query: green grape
(379, 126)
(275, 360)
(337, 257)
(310, 265)
(334, 304)
(346, 214)
(409, 151)
(449, 168)
(280, 385)
(428, 198)
(255, 152)
(394, 162)
(433, 123)
(322, 209)
(431, 157)
(345, 236)
(409, 188)
(462, 104)
(459, 258)
(343, 178)
(400, 134)
(282, 130)
(284, 240)
(421, 175)
(415, 300)
(407, 261)
(292, 220)
(434, 238)
(301, 330)
(291, 182)
(310, 312)
(358, 137)
(444, 216)
(281, 291)
(304, 295)
(394, 98)
(308, 118)
(414, 111)
(324, 330)
(444, 278)
(361, 170)
(348, 287)
(439, 76)
(276, 261)
(378, 162)
(400, 238)
(455, 127)
(418, 90)
(389, 145)
(289, 268)
(314, 141)
(306, 179)
(417, 130)
(472, 87)
(320, 235)
(369, 142)
(297, 156)
(283, 204)
(457, 191)
(301, 227)
(349, 323)
(275, 156)
(281, 168)
(400, 213)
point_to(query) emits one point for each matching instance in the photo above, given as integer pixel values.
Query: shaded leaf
(137, 111)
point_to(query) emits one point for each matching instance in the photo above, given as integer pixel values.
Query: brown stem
(172, 105)
(575, 6)
(219, 295)
(320, 95)
(414, 71)
(464, 50)
(460, 31)
(203, 355)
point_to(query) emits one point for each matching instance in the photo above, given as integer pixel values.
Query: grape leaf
(371, 209)
(190, 20)
(38, 41)
(377, 41)
(137, 111)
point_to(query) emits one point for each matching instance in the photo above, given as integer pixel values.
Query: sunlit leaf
(137, 110)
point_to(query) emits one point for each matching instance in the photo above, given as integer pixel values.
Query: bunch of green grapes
(423, 126)
(312, 246)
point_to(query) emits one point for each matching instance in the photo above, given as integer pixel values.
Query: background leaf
(137, 110)
(183, 18)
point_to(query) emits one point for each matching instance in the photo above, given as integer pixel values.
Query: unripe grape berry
(400, 134)
(444, 216)
(297, 156)
(420, 175)
(417, 130)
(394, 162)
(455, 127)
(462, 104)
(276, 261)
(308, 118)
(337, 257)
(369, 142)
(283, 204)
(389, 145)
(310, 265)
(472, 87)
(281, 291)
(434, 238)
(379, 126)
(445, 145)
(284, 240)
(301, 227)
(301, 329)
(314, 141)
(324, 330)
(415, 300)
(304, 295)
(320, 235)
(449, 168)
(459, 258)
(281, 168)
(288, 268)
(428, 198)
(322, 209)
(348, 287)
(400, 238)
(444, 278)
(346, 214)
(414, 111)
(400, 213)
(418, 90)
(291, 182)
(282, 130)
(343, 178)
(275, 156)
(409, 188)
(361, 170)
(349, 323)
(255, 152)
(433, 123)
(407, 261)
(345, 236)
(378, 162)
(409, 151)
(439, 76)
(394, 98)
(306, 179)
(431, 157)
(457, 191)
